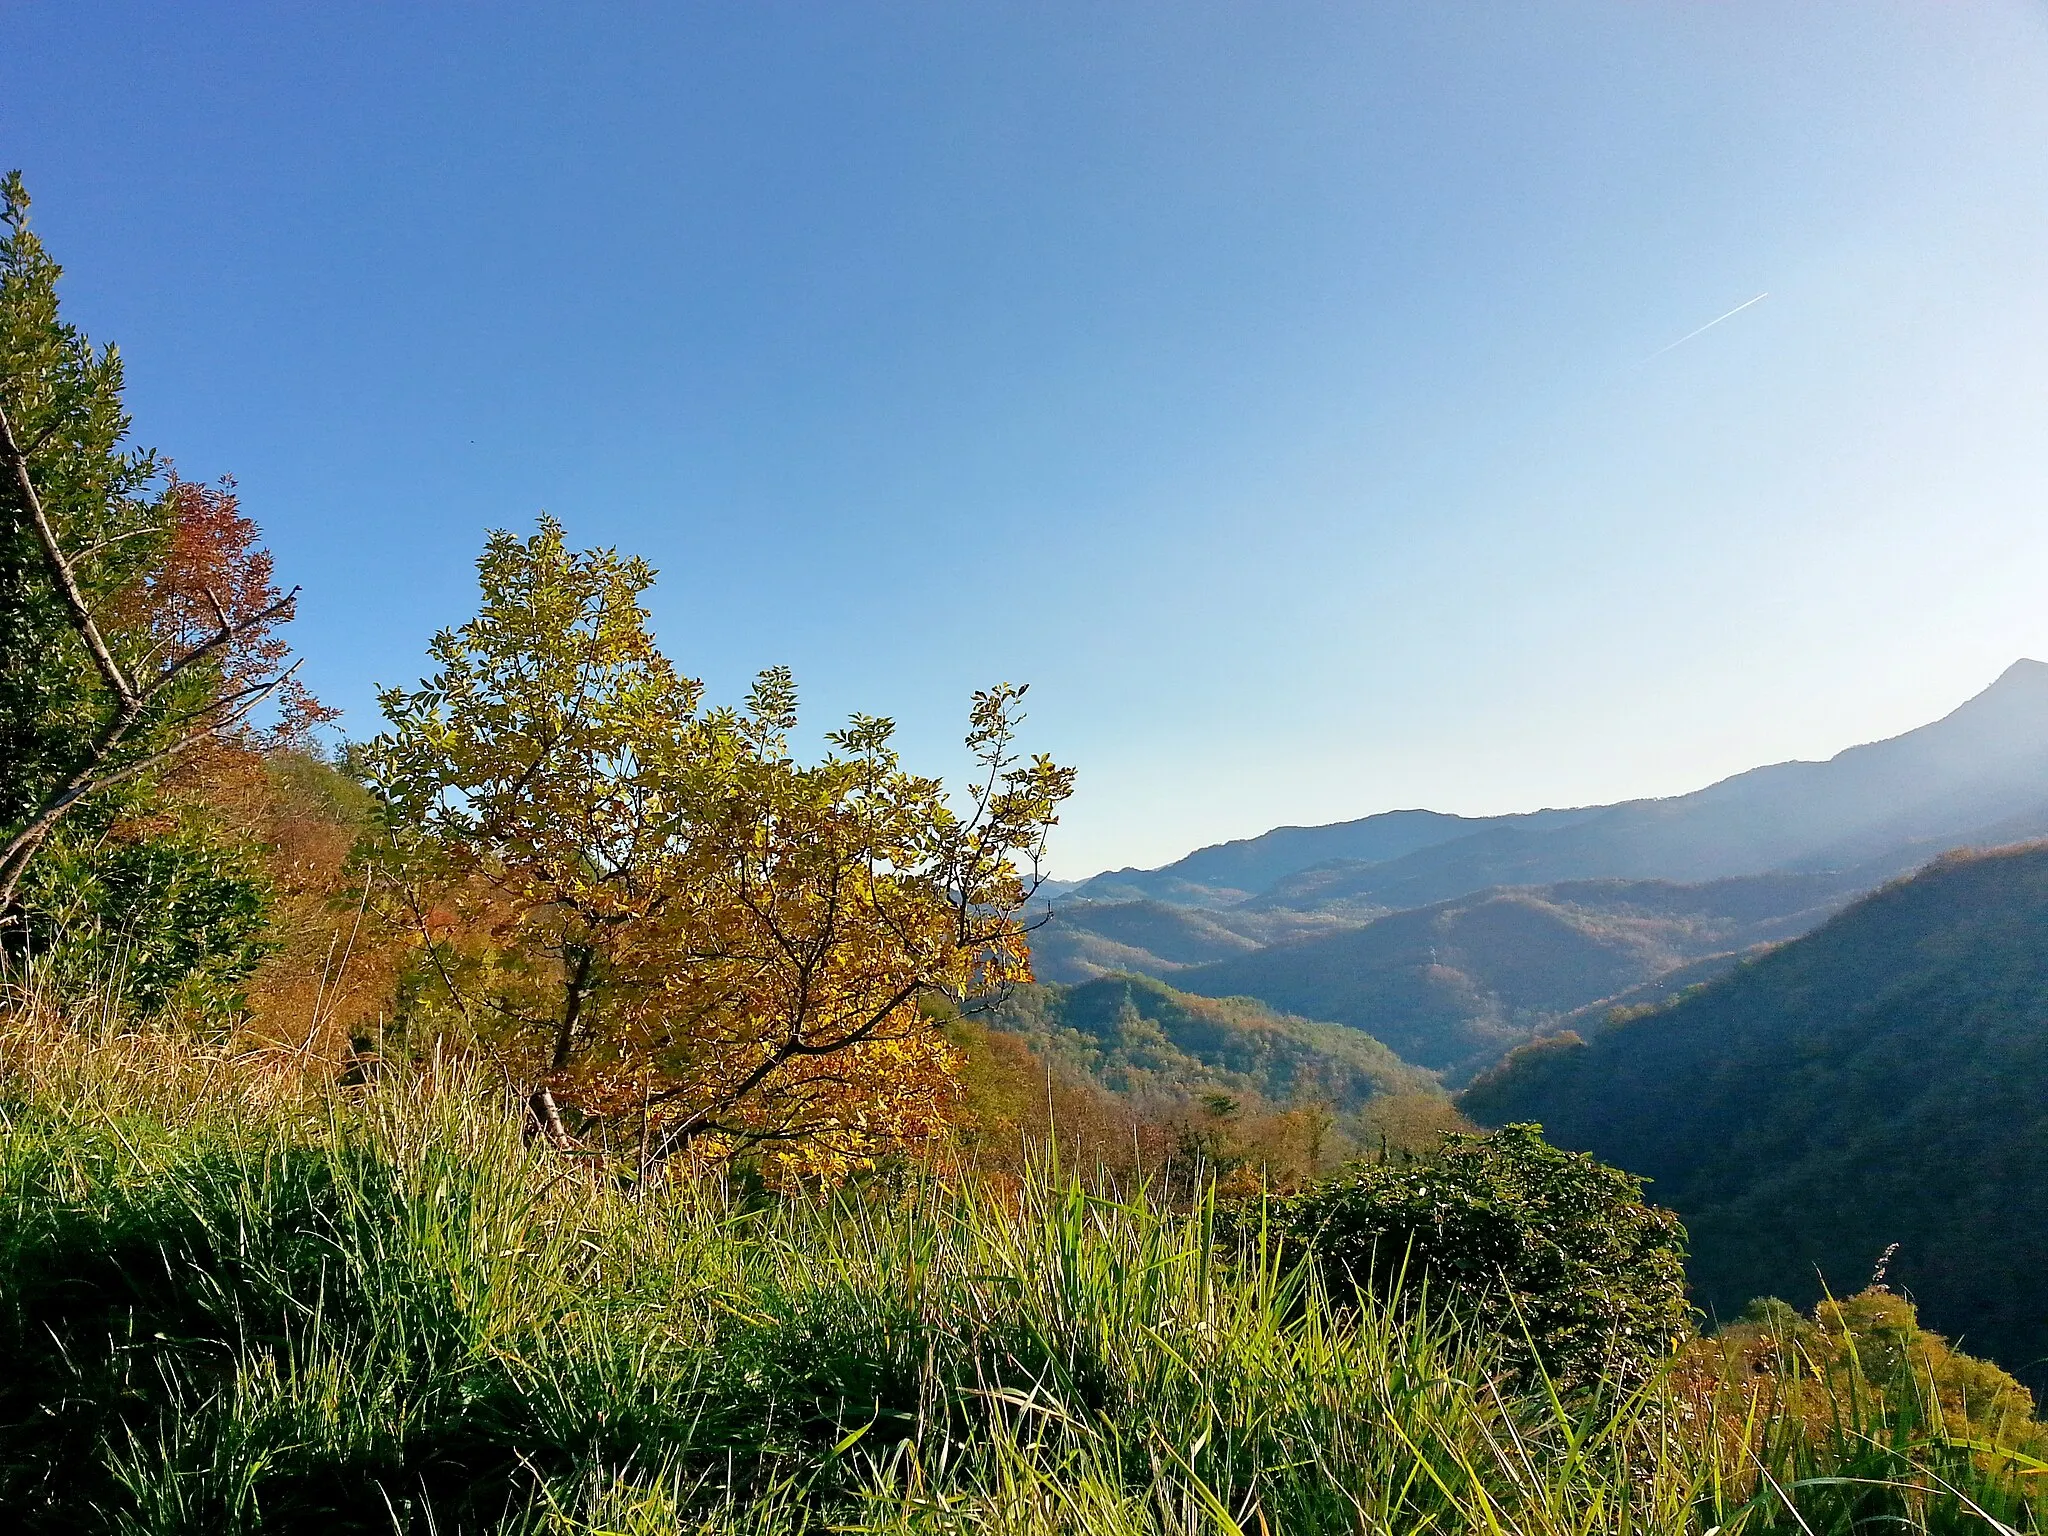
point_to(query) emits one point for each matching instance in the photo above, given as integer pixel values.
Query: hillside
(1452, 985)
(1454, 938)
(1882, 1080)
(1080, 940)
(1140, 1037)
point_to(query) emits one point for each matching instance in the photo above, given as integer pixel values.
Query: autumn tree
(138, 636)
(665, 913)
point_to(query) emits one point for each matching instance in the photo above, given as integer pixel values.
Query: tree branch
(225, 634)
(60, 570)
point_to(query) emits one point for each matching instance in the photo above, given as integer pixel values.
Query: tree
(138, 618)
(1867, 1351)
(1558, 1258)
(680, 920)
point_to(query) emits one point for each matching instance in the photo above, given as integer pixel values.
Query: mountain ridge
(1478, 933)
(1982, 764)
(1454, 984)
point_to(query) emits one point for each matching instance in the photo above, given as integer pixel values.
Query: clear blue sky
(1277, 387)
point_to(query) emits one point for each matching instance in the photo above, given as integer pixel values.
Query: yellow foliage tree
(1869, 1352)
(685, 923)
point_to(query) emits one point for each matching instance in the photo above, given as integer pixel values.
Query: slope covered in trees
(1454, 985)
(1139, 1035)
(1453, 939)
(1239, 1081)
(1082, 939)
(1882, 1081)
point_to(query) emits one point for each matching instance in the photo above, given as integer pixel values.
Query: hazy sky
(1280, 389)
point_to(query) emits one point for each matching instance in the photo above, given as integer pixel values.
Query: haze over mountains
(1979, 767)
(1227, 874)
(1452, 985)
(1451, 938)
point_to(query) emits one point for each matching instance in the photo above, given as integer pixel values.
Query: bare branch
(226, 635)
(703, 1120)
(93, 776)
(60, 570)
(106, 544)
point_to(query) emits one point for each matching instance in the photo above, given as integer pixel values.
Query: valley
(1453, 939)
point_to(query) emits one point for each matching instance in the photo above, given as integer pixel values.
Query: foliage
(138, 629)
(1555, 1254)
(688, 924)
(1265, 1099)
(182, 915)
(1868, 1348)
(256, 1308)
(1859, 1399)
(1881, 1081)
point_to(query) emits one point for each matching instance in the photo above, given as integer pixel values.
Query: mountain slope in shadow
(1080, 940)
(1882, 1080)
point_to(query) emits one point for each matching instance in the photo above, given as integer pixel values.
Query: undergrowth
(234, 1299)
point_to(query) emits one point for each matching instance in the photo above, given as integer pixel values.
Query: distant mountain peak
(1982, 767)
(2023, 686)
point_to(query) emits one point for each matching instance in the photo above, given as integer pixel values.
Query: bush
(1556, 1257)
(1870, 1350)
(175, 919)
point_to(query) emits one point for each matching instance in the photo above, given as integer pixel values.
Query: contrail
(1688, 336)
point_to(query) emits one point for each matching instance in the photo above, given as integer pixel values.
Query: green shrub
(176, 920)
(1554, 1256)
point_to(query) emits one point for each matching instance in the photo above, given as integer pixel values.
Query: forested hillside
(1080, 939)
(1453, 985)
(1231, 1070)
(1882, 1081)
(1140, 1035)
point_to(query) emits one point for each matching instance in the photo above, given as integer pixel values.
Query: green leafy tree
(682, 920)
(138, 632)
(1556, 1256)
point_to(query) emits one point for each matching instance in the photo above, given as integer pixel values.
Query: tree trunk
(572, 1005)
(549, 1114)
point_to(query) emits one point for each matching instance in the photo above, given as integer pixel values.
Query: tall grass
(235, 1300)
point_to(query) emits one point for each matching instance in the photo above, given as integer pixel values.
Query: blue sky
(1278, 388)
